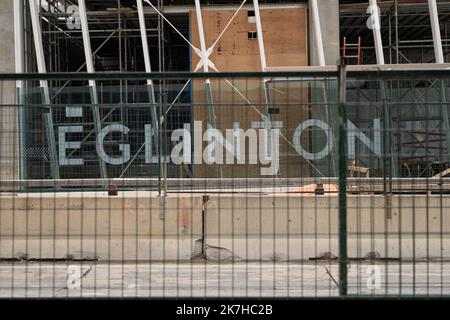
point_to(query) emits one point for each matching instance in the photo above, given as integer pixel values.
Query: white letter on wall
(353, 132)
(181, 152)
(298, 145)
(125, 148)
(64, 145)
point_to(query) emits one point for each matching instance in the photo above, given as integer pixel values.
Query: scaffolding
(407, 33)
(64, 32)
(130, 35)
(125, 36)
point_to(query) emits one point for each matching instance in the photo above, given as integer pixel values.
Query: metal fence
(321, 182)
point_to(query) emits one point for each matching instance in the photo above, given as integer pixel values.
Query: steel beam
(148, 68)
(205, 62)
(262, 56)
(342, 120)
(376, 29)
(387, 123)
(20, 84)
(332, 114)
(439, 56)
(317, 32)
(92, 83)
(437, 184)
(48, 115)
(437, 42)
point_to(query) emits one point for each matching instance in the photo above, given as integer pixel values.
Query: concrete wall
(109, 228)
(9, 160)
(246, 227)
(304, 227)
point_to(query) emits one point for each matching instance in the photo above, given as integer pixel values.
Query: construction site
(250, 148)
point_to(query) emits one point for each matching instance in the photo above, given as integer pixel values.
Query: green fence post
(342, 149)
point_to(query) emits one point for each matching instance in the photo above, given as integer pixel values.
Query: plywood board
(285, 37)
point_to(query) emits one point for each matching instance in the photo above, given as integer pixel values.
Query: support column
(325, 50)
(9, 155)
(392, 165)
(92, 83)
(19, 41)
(439, 57)
(342, 150)
(267, 119)
(376, 28)
(437, 41)
(48, 117)
(205, 59)
(319, 46)
(156, 122)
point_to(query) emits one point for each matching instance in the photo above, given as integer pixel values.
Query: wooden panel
(285, 37)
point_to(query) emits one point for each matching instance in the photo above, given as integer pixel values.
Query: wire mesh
(237, 192)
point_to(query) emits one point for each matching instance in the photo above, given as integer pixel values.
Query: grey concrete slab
(201, 279)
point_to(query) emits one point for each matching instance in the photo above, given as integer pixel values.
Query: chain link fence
(318, 183)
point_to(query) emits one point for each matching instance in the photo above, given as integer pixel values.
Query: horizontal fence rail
(354, 185)
(363, 72)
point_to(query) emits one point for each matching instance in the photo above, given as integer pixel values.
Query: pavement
(41, 279)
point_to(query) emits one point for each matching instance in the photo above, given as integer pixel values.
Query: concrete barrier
(236, 226)
(86, 225)
(304, 227)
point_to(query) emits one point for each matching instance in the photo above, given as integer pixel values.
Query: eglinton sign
(256, 145)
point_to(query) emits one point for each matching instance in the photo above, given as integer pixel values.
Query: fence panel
(316, 183)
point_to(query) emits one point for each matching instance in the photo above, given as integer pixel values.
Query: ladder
(351, 47)
(355, 168)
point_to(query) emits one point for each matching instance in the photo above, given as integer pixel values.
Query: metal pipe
(143, 31)
(92, 83)
(204, 55)
(342, 150)
(262, 56)
(412, 71)
(262, 51)
(329, 114)
(48, 115)
(20, 84)
(317, 32)
(376, 28)
(148, 68)
(439, 56)
(437, 42)
(205, 61)
(363, 183)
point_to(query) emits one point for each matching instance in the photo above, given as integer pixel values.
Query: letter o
(298, 145)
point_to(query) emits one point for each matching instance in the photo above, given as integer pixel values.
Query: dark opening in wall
(251, 16)
(252, 35)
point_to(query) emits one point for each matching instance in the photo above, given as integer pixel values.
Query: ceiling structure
(405, 30)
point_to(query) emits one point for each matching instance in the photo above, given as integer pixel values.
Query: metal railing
(332, 184)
